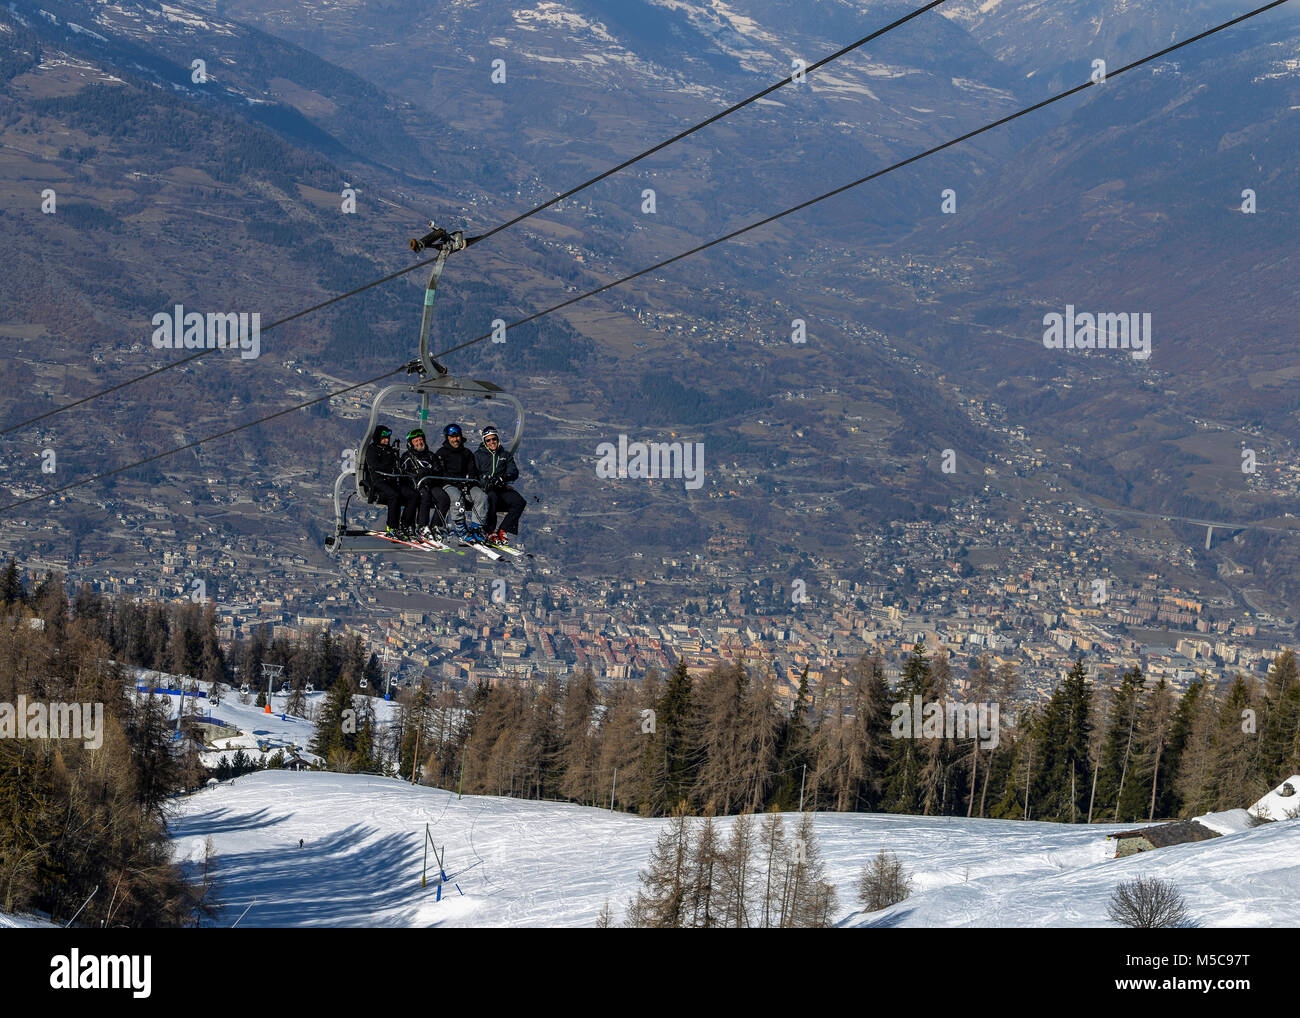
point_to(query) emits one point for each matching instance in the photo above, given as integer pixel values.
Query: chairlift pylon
(434, 381)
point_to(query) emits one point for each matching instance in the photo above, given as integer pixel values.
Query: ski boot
(458, 527)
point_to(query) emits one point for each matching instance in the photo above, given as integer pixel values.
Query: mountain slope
(520, 863)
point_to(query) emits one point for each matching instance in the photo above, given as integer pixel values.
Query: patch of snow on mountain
(733, 34)
(86, 31)
(553, 15)
(829, 83)
(975, 86)
(183, 17)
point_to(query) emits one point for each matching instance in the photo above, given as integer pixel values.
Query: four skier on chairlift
(448, 490)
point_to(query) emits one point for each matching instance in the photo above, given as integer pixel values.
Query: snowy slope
(552, 864)
(1281, 803)
(275, 730)
(24, 922)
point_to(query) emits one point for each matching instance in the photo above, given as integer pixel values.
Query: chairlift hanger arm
(445, 243)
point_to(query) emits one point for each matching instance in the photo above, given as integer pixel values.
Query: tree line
(723, 743)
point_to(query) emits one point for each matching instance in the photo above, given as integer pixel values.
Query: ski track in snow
(529, 863)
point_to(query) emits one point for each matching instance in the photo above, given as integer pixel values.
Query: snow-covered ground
(24, 922)
(1281, 803)
(520, 863)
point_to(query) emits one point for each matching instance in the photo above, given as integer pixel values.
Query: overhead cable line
(495, 230)
(695, 250)
(203, 353)
(872, 176)
(201, 441)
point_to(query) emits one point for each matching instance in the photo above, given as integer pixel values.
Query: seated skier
(496, 469)
(388, 485)
(423, 469)
(456, 461)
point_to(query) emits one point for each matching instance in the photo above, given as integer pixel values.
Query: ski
(483, 550)
(508, 549)
(433, 544)
(410, 544)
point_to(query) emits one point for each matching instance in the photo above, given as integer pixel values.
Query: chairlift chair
(434, 381)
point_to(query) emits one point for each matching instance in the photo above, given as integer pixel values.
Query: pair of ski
(490, 552)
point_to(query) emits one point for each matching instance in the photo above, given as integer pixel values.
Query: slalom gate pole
(425, 868)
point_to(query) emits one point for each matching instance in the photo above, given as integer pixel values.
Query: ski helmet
(450, 430)
(490, 432)
(382, 431)
(414, 433)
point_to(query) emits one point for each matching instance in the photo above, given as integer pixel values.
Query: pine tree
(772, 854)
(883, 882)
(733, 731)
(735, 886)
(11, 585)
(1152, 771)
(1280, 726)
(1169, 803)
(416, 740)
(903, 791)
(668, 749)
(1062, 770)
(809, 900)
(979, 682)
(1199, 711)
(706, 866)
(1231, 780)
(621, 748)
(1014, 768)
(578, 744)
(660, 903)
(793, 750)
(336, 724)
(539, 760)
(1118, 753)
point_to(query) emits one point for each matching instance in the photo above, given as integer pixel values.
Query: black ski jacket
(456, 462)
(420, 466)
(381, 460)
(496, 469)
